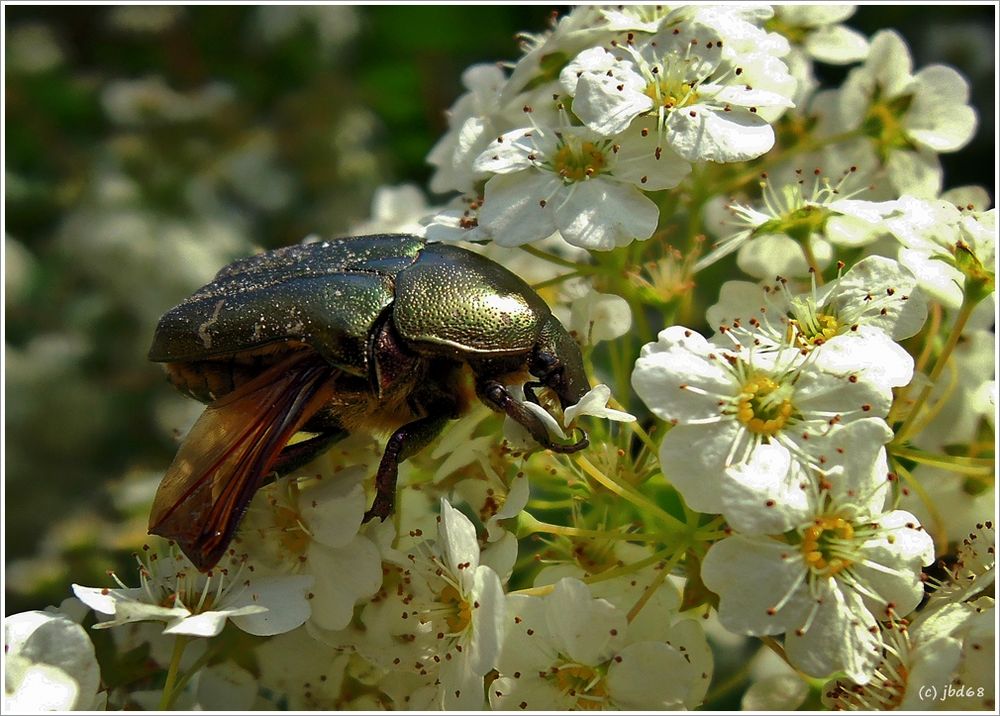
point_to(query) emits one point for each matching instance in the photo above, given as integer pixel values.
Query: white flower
(907, 118)
(49, 664)
(570, 651)
(302, 669)
(538, 70)
(494, 501)
(705, 109)
(591, 316)
(826, 586)
(32, 47)
(310, 527)
(726, 403)
(253, 172)
(946, 501)
(442, 612)
(594, 403)
(510, 506)
(458, 220)
(947, 656)
(657, 618)
(395, 209)
(816, 29)
(773, 491)
(850, 322)
(576, 182)
(795, 219)
(224, 686)
(741, 28)
(331, 25)
(776, 692)
(470, 130)
(149, 100)
(198, 604)
(974, 569)
(937, 237)
(639, 18)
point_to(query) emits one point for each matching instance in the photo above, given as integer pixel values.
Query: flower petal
(594, 403)
(701, 132)
(513, 211)
(842, 636)
(753, 577)
(681, 357)
(284, 601)
(649, 676)
(767, 494)
(601, 215)
(587, 630)
(458, 542)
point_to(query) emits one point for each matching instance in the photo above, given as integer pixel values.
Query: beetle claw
(498, 396)
(580, 444)
(529, 391)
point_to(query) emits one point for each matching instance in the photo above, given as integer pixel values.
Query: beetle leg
(292, 457)
(406, 441)
(498, 395)
(529, 390)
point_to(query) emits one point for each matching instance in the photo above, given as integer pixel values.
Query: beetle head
(558, 364)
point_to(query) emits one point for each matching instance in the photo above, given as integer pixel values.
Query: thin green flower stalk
(909, 425)
(170, 684)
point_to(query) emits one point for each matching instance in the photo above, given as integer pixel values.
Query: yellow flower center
(291, 536)
(585, 683)
(671, 93)
(576, 162)
(821, 542)
(799, 220)
(460, 615)
(814, 330)
(884, 125)
(762, 407)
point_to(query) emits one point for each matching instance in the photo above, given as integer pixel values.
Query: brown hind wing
(230, 449)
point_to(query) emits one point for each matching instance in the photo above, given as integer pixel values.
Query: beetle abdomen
(209, 380)
(327, 295)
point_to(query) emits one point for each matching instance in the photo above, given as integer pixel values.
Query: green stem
(928, 332)
(636, 498)
(810, 257)
(971, 466)
(555, 280)
(956, 332)
(937, 529)
(544, 589)
(559, 260)
(644, 437)
(170, 689)
(528, 524)
(657, 582)
(735, 680)
(197, 666)
(540, 504)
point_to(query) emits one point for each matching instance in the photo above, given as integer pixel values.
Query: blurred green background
(147, 146)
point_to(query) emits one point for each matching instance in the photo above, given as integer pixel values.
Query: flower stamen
(763, 408)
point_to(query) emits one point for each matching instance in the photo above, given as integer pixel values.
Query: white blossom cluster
(806, 455)
(608, 106)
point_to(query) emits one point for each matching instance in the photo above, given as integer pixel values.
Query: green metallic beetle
(381, 333)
